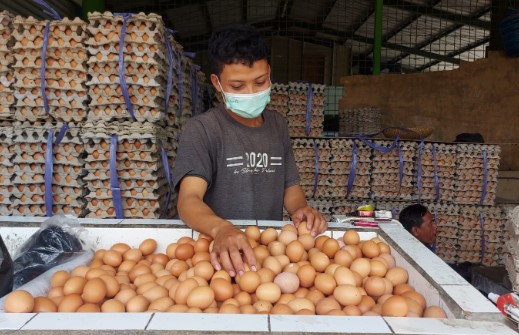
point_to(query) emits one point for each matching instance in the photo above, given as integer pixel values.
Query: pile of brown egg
(297, 274)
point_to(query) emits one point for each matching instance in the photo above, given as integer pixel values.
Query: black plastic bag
(53, 244)
(6, 270)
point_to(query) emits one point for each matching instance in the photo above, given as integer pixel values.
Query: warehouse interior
(372, 70)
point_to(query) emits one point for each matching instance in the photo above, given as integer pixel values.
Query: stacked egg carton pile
(187, 89)
(145, 67)
(511, 254)
(173, 112)
(140, 172)
(279, 99)
(6, 72)
(299, 95)
(363, 121)
(385, 177)
(394, 206)
(445, 171)
(470, 172)
(481, 235)
(30, 144)
(447, 240)
(6, 169)
(65, 73)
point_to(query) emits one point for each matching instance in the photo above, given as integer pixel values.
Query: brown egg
(221, 274)
(148, 246)
(343, 257)
(204, 269)
(261, 252)
(133, 255)
(183, 290)
(314, 295)
(301, 292)
(377, 309)
(402, 288)
(19, 301)
(395, 306)
(384, 248)
(113, 258)
(74, 285)
(351, 237)
(325, 305)
(126, 266)
(144, 287)
(325, 283)
(291, 267)
(95, 273)
(362, 266)
(375, 286)
(281, 309)
(202, 245)
(299, 304)
(70, 303)
(269, 292)
(415, 310)
(319, 261)
(266, 275)
(366, 303)
(273, 264)
(390, 260)
(144, 278)
(59, 278)
(307, 241)
(94, 291)
(161, 304)
(137, 303)
(88, 308)
(161, 259)
(184, 251)
(171, 249)
(113, 306)
(120, 248)
(262, 307)
(268, 235)
(389, 286)
(44, 305)
(155, 293)
(229, 309)
(249, 281)
(370, 249)
(397, 275)
(201, 297)
(347, 295)
(352, 310)
(253, 233)
(55, 292)
(306, 275)
(302, 229)
(276, 248)
(79, 271)
(125, 295)
(178, 267)
(381, 300)
(416, 297)
(243, 298)
(343, 275)
(285, 298)
(177, 309)
(288, 282)
(319, 241)
(138, 270)
(330, 247)
(377, 268)
(434, 312)
(287, 236)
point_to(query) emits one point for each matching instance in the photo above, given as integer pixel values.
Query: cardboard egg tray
(139, 169)
(511, 251)
(470, 173)
(6, 169)
(65, 74)
(296, 112)
(279, 98)
(364, 120)
(144, 63)
(6, 61)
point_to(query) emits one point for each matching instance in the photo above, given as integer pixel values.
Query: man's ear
(414, 231)
(214, 81)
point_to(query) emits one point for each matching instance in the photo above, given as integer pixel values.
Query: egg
(402, 288)
(148, 246)
(384, 248)
(299, 304)
(133, 255)
(178, 309)
(161, 259)
(434, 312)
(137, 303)
(266, 275)
(249, 281)
(370, 249)
(325, 305)
(273, 264)
(44, 305)
(351, 237)
(268, 235)
(366, 303)
(390, 260)
(347, 295)
(281, 309)
(74, 285)
(201, 297)
(19, 301)
(161, 304)
(287, 236)
(395, 306)
(112, 258)
(229, 309)
(325, 283)
(70, 303)
(113, 306)
(397, 275)
(319, 261)
(88, 308)
(288, 282)
(415, 310)
(416, 297)
(343, 275)
(94, 291)
(269, 292)
(307, 241)
(352, 310)
(262, 307)
(276, 248)
(59, 278)
(306, 275)
(144, 278)
(79, 271)
(253, 233)
(375, 286)
(314, 295)
(204, 269)
(184, 251)
(183, 290)
(222, 274)
(171, 249)
(283, 260)
(126, 266)
(362, 266)
(120, 248)
(330, 247)
(95, 273)
(343, 257)
(125, 295)
(243, 298)
(201, 245)
(377, 268)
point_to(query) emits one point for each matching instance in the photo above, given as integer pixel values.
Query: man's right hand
(230, 248)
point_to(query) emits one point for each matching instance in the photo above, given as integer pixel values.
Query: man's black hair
(235, 44)
(412, 216)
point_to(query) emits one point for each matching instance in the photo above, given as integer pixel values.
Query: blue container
(509, 28)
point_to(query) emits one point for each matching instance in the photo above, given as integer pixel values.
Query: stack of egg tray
(6, 62)
(279, 99)
(445, 170)
(394, 206)
(511, 254)
(333, 168)
(30, 144)
(363, 121)
(385, 177)
(481, 235)
(6, 169)
(470, 172)
(297, 109)
(447, 227)
(65, 73)
(145, 67)
(140, 172)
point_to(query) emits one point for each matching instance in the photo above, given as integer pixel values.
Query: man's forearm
(294, 199)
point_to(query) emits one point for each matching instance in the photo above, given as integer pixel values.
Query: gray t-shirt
(247, 169)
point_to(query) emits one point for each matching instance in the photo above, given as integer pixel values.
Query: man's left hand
(315, 222)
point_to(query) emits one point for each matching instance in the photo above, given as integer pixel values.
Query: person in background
(418, 221)
(235, 161)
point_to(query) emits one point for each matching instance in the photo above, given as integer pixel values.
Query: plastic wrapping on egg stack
(6, 169)
(137, 169)
(42, 180)
(143, 61)
(64, 70)
(6, 62)
(306, 109)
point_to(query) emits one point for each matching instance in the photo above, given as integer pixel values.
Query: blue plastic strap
(393, 213)
(122, 78)
(436, 177)
(353, 170)
(419, 171)
(400, 166)
(190, 54)
(316, 161)
(377, 147)
(180, 85)
(436, 223)
(165, 163)
(309, 94)
(482, 224)
(485, 177)
(193, 90)
(43, 67)
(114, 182)
(169, 52)
(49, 166)
(47, 9)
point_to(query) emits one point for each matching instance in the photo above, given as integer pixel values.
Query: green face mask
(248, 106)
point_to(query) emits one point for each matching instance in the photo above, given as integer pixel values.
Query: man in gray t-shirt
(236, 161)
